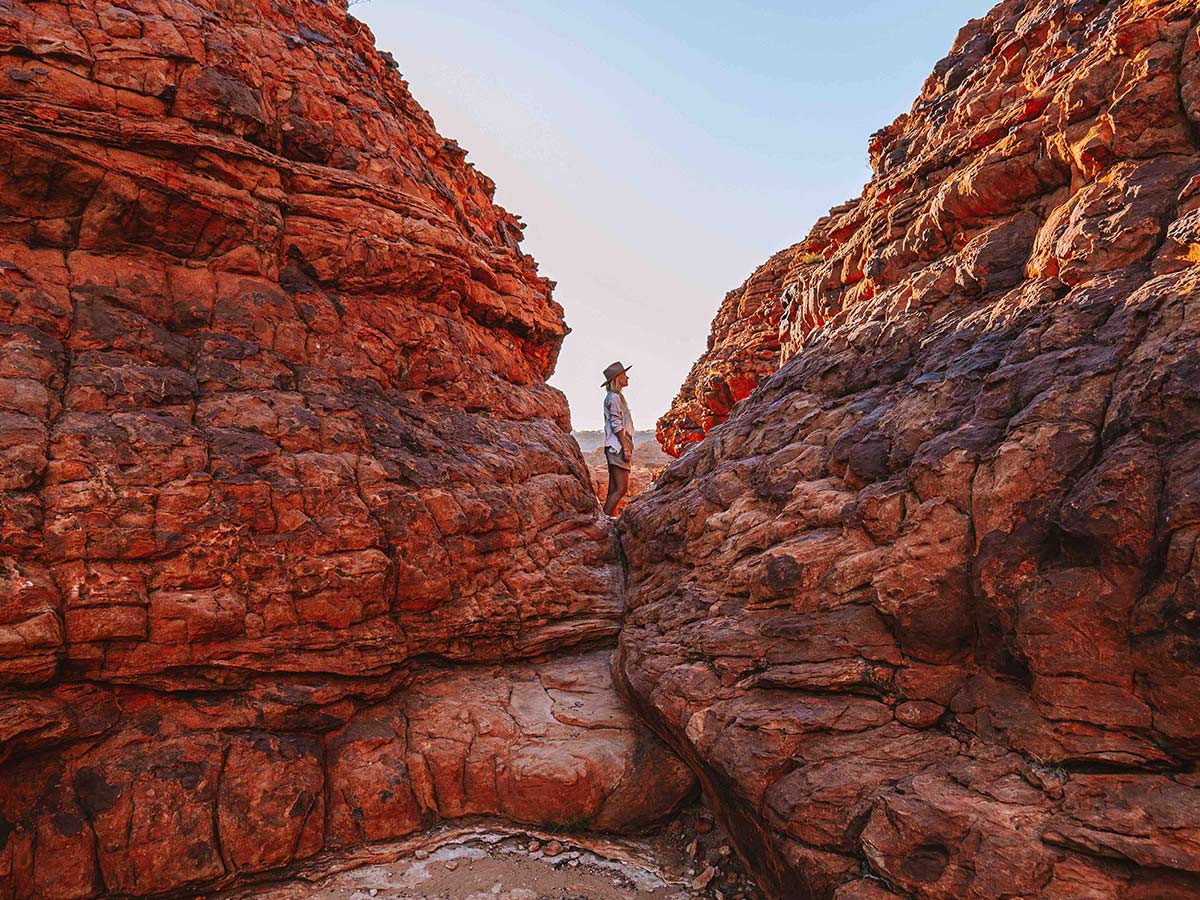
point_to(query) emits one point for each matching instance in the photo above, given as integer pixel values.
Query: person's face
(622, 380)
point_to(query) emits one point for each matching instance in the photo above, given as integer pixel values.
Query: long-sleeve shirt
(616, 420)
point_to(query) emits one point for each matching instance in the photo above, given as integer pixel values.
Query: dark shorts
(616, 458)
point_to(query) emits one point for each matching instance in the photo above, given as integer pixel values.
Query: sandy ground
(488, 867)
(689, 860)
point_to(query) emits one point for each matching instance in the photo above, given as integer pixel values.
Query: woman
(618, 435)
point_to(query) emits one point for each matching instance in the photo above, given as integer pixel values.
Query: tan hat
(613, 371)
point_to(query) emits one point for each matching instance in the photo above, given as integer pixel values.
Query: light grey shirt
(616, 420)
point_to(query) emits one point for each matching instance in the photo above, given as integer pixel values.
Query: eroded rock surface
(276, 454)
(743, 348)
(922, 611)
(183, 791)
(266, 390)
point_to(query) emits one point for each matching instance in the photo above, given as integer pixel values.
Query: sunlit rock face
(923, 609)
(743, 348)
(277, 456)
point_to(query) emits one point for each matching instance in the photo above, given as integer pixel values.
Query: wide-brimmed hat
(613, 371)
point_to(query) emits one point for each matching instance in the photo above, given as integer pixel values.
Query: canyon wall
(922, 611)
(296, 550)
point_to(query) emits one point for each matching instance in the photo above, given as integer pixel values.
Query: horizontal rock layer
(275, 438)
(921, 611)
(171, 792)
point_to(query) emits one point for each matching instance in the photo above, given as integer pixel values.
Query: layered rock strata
(277, 460)
(922, 610)
(172, 792)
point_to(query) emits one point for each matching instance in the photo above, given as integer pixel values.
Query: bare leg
(618, 485)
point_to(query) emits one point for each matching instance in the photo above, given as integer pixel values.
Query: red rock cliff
(743, 348)
(281, 480)
(922, 611)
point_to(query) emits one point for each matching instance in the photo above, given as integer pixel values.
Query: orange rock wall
(920, 611)
(276, 455)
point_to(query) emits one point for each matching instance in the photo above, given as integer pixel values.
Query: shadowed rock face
(276, 454)
(923, 608)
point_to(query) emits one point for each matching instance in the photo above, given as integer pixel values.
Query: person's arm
(617, 423)
(626, 434)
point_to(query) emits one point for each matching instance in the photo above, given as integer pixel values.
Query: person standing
(618, 435)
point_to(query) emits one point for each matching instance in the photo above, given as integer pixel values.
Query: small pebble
(452, 864)
(535, 846)
(422, 854)
(704, 826)
(373, 891)
(675, 827)
(701, 881)
(553, 848)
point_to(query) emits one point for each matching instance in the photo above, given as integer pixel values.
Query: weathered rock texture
(172, 792)
(743, 348)
(276, 453)
(924, 608)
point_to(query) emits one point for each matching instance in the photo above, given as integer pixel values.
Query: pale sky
(659, 151)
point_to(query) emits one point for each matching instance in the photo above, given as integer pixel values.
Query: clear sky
(659, 151)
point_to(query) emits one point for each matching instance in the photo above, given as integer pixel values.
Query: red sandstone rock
(742, 348)
(233, 414)
(179, 792)
(550, 744)
(274, 438)
(921, 607)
